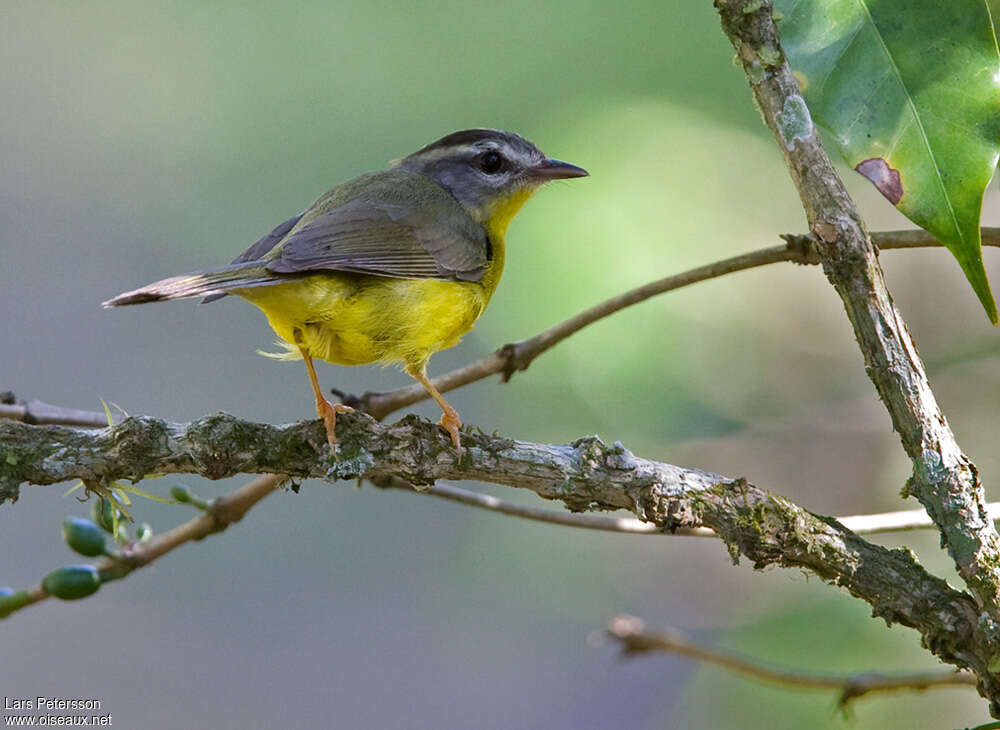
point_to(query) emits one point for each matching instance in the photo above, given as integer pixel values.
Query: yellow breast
(352, 319)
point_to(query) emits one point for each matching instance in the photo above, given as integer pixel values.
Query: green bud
(180, 493)
(144, 532)
(100, 510)
(11, 600)
(84, 537)
(72, 582)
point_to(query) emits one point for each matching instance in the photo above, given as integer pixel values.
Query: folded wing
(385, 239)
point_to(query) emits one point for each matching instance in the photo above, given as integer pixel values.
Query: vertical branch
(944, 479)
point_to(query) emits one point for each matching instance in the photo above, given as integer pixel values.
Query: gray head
(489, 171)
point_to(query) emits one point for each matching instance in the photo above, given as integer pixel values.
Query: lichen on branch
(587, 475)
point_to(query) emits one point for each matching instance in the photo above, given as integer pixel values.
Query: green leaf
(142, 493)
(117, 499)
(107, 412)
(909, 90)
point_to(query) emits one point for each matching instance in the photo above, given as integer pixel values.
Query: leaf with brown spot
(883, 177)
(909, 91)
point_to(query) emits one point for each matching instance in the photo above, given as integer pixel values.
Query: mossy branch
(586, 475)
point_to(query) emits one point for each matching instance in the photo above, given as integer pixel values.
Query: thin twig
(914, 519)
(634, 638)
(873, 524)
(518, 355)
(469, 498)
(510, 358)
(222, 512)
(920, 238)
(40, 413)
(799, 248)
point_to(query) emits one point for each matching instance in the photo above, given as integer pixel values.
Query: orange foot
(328, 412)
(450, 422)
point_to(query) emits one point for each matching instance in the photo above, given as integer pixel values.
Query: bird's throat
(499, 217)
(503, 211)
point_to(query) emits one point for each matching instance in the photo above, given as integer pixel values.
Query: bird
(388, 267)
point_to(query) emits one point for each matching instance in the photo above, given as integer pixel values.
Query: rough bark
(586, 475)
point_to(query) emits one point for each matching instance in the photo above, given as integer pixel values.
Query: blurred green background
(142, 140)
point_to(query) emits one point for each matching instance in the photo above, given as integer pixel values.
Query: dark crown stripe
(467, 137)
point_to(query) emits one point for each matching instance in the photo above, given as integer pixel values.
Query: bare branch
(886, 240)
(518, 355)
(631, 633)
(914, 519)
(515, 356)
(628, 525)
(40, 413)
(586, 475)
(873, 524)
(944, 480)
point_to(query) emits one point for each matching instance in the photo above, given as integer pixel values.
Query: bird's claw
(328, 412)
(451, 423)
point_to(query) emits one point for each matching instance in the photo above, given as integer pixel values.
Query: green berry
(11, 600)
(72, 582)
(84, 537)
(180, 493)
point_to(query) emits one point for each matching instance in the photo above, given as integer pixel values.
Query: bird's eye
(490, 162)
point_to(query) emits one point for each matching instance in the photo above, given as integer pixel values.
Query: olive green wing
(398, 240)
(421, 239)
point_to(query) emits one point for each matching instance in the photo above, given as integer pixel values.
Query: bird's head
(490, 172)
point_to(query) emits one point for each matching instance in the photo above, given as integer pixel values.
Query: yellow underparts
(350, 319)
(353, 319)
(503, 211)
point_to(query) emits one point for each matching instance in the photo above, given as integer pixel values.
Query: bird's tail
(212, 283)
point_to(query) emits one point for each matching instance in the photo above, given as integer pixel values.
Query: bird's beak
(549, 169)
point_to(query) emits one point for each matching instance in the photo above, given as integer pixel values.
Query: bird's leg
(450, 421)
(327, 411)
